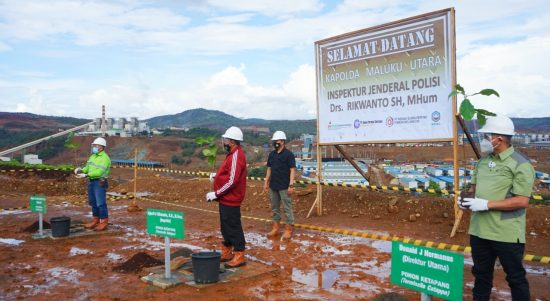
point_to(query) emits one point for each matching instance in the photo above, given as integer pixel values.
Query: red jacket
(230, 180)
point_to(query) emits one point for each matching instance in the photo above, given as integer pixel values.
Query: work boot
(237, 261)
(288, 232)
(274, 230)
(102, 225)
(227, 253)
(93, 223)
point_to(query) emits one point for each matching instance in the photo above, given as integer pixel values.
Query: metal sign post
(167, 271)
(40, 227)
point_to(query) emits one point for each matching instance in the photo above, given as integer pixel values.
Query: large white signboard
(388, 83)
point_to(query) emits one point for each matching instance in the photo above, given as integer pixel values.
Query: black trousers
(231, 227)
(510, 255)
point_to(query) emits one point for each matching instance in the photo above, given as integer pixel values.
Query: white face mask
(486, 147)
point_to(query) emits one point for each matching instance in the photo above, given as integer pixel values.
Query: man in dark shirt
(279, 179)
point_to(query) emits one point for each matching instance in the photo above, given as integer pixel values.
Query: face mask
(95, 150)
(486, 146)
(227, 147)
(276, 145)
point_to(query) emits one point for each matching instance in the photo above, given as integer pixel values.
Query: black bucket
(206, 267)
(61, 226)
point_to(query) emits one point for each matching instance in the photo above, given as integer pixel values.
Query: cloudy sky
(248, 58)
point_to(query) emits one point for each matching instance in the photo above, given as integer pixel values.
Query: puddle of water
(334, 251)
(8, 212)
(258, 240)
(113, 256)
(318, 279)
(11, 241)
(78, 251)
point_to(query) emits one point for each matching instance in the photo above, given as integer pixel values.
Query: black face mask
(227, 147)
(276, 145)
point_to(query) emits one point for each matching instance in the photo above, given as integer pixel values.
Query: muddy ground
(82, 268)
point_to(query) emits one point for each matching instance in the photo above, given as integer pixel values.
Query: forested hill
(219, 120)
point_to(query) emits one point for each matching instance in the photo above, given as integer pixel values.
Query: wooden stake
(351, 160)
(135, 174)
(133, 207)
(319, 197)
(319, 179)
(456, 173)
(458, 215)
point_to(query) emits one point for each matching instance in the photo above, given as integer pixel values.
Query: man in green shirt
(502, 184)
(97, 171)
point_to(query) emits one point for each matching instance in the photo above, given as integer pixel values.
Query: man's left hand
(211, 196)
(476, 204)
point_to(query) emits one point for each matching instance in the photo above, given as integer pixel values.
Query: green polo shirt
(498, 177)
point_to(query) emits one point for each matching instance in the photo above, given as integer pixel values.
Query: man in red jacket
(229, 191)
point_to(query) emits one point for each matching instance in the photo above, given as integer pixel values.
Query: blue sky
(248, 58)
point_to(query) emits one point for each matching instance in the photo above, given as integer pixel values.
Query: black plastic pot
(61, 226)
(206, 267)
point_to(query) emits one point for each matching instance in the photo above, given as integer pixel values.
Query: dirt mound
(137, 263)
(183, 252)
(34, 227)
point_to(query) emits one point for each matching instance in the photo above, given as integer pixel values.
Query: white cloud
(269, 7)
(518, 71)
(231, 92)
(4, 47)
(35, 103)
(231, 19)
(137, 24)
(228, 90)
(503, 47)
(89, 23)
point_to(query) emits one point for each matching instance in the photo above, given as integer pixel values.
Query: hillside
(20, 128)
(26, 121)
(195, 118)
(522, 125)
(219, 120)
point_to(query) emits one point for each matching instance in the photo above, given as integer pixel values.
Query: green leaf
(485, 112)
(489, 92)
(212, 161)
(481, 119)
(211, 151)
(453, 93)
(69, 142)
(201, 140)
(207, 153)
(467, 110)
(459, 89)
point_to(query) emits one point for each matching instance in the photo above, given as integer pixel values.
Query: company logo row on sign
(435, 116)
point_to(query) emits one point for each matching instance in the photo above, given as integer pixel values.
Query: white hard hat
(279, 135)
(233, 133)
(100, 141)
(498, 125)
